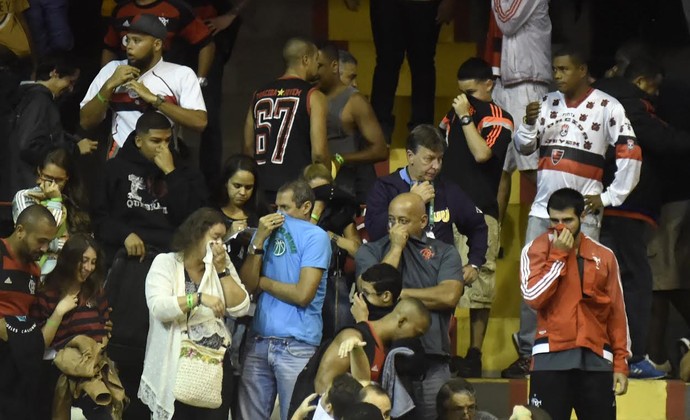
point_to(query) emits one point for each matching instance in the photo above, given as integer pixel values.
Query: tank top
(282, 142)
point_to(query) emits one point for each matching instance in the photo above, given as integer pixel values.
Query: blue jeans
(49, 24)
(425, 391)
(271, 364)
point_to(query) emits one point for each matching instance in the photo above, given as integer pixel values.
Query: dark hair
(345, 57)
(475, 68)
(371, 389)
(152, 120)
(453, 386)
(577, 55)
(74, 196)
(234, 164)
(362, 411)
(330, 51)
(566, 198)
(643, 67)
(63, 64)
(426, 135)
(385, 278)
(301, 192)
(343, 393)
(632, 50)
(69, 259)
(33, 215)
(194, 228)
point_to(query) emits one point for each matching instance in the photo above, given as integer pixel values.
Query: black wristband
(198, 300)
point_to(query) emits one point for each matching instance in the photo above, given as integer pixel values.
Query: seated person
(375, 395)
(362, 411)
(456, 401)
(378, 290)
(342, 393)
(362, 349)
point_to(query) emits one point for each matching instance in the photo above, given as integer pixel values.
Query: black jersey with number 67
(282, 145)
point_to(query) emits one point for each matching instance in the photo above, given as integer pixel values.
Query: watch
(465, 120)
(203, 82)
(159, 101)
(253, 250)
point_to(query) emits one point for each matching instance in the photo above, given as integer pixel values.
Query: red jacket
(571, 313)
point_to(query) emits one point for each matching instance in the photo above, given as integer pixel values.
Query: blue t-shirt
(294, 245)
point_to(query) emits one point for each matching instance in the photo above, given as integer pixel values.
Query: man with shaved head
(432, 272)
(355, 137)
(285, 129)
(21, 342)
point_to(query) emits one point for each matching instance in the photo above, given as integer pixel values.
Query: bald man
(21, 342)
(285, 129)
(431, 272)
(361, 350)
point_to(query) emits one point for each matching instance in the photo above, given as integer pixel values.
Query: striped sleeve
(496, 126)
(628, 158)
(541, 266)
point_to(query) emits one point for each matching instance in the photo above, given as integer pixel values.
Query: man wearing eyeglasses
(432, 272)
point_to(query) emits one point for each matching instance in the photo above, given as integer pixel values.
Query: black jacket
(37, 130)
(137, 197)
(658, 140)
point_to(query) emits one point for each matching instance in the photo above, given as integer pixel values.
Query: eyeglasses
(48, 178)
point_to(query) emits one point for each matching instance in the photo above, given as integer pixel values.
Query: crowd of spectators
(291, 273)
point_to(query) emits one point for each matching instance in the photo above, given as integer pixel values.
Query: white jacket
(526, 50)
(164, 283)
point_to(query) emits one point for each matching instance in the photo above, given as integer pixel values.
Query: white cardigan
(164, 284)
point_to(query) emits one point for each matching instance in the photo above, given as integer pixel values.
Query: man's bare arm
(249, 142)
(206, 56)
(317, 129)
(368, 125)
(300, 294)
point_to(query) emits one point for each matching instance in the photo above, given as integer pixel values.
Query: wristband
(339, 158)
(190, 301)
(51, 322)
(315, 217)
(101, 98)
(198, 299)
(58, 199)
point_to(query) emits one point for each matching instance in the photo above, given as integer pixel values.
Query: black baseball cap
(149, 25)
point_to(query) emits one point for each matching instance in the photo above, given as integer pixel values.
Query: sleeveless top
(282, 141)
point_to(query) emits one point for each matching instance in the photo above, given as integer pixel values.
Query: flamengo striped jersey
(572, 139)
(18, 282)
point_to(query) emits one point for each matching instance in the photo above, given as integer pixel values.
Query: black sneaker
(519, 369)
(469, 366)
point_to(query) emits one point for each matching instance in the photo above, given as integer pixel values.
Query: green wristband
(339, 158)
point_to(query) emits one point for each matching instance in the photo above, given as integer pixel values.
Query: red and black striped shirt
(18, 281)
(88, 318)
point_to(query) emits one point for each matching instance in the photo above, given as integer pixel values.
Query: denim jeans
(49, 24)
(425, 391)
(271, 365)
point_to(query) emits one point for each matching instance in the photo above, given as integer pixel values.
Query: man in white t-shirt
(143, 81)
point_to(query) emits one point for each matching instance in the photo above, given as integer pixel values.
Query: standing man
(581, 349)
(21, 342)
(572, 128)
(142, 82)
(37, 126)
(354, 135)
(286, 267)
(405, 28)
(285, 129)
(347, 66)
(446, 204)
(179, 21)
(478, 133)
(432, 272)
